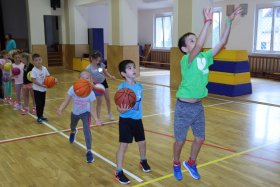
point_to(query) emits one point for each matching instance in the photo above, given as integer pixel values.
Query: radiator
(263, 66)
(160, 56)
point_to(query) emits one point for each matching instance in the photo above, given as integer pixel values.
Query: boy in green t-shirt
(189, 111)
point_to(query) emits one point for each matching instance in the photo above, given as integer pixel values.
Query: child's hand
(208, 14)
(98, 122)
(235, 13)
(123, 108)
(55, 80)
(59, 112)
(113, 77)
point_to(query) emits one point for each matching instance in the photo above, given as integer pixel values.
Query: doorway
(51, 32)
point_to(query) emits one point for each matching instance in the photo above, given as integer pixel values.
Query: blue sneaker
(177, 172)
(192, 170)
(73, 136)
(90, 158)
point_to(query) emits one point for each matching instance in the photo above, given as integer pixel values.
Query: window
(163, 31)
(217, 17)
(267, 32)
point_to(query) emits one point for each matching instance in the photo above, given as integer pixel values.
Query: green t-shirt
(195, 76)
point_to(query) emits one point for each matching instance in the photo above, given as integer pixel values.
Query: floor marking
(95, 153)
(206, 164)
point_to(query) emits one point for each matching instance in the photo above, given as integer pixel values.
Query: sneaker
(90, 158)
(177, 172)
(44, 119)
(24, 111)
(10, 101)
(192, 170)
(111, 117)
(119, 176)
(39, 120)
(14, 104)
(34, 110)
(73, 136)
(145, 166)
(17, 107)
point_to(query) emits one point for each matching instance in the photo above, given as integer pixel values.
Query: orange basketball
(125, 96)
(82, 87)
(49, 81)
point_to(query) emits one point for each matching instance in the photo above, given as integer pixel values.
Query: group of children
(189, 111)
(23, 84)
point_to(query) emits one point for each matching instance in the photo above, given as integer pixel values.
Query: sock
(119, 169)
(176, 162)
(191, 162)
(142, 159)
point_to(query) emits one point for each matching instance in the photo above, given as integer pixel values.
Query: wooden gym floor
(242, 144)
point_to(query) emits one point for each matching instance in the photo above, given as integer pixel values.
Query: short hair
(123, 64)
(25, 56)
(82, 72)
(182, 40)
(95, 54)
(4, 52)
(35, 55)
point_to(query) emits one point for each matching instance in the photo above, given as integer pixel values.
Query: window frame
(219, 10)
(167, 14)
(254, 48)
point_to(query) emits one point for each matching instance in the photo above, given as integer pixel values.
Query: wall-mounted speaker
(55, 4)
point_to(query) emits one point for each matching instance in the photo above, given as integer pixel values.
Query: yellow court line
(206, 164)
(231, 111)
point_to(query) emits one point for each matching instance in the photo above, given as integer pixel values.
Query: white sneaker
(111, 117)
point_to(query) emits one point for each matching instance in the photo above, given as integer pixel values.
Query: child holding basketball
(189, 111)
(130, 122)
(99, 74)
(83, 108)
(27, 85)
(7, 81)
(18, 79)
(38, 75)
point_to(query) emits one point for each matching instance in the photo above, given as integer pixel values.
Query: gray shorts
(188, 115)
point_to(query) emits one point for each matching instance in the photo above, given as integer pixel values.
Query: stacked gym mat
(230, 74)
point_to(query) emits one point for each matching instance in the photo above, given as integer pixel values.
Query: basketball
(98, 89)
(49, 81)
(29, 76)
(15, 71)
(125, 96)
(82, 87)
(7, 66)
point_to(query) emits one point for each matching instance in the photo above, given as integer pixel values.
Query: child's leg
(25, 93)
(86, 118)
(98, 105)
(39, 100)
(120, 154)
(18, 92)
(142, 149)
(108, 101)
(31, 92)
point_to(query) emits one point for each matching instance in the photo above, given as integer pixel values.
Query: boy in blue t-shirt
(130, 122)
(83, 109)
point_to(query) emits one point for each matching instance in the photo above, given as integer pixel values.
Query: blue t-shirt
(136, 111)
(11, 44)
(80, 104)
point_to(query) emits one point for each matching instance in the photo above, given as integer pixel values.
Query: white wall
(37, 9)
(242, 33)
(145, 24)
(98, 17)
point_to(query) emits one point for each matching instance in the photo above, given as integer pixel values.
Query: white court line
(95, 153)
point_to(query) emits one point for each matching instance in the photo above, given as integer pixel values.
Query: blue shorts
(188, 115)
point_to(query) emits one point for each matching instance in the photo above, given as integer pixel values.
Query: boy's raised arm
(226, 32)
(208, 17)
